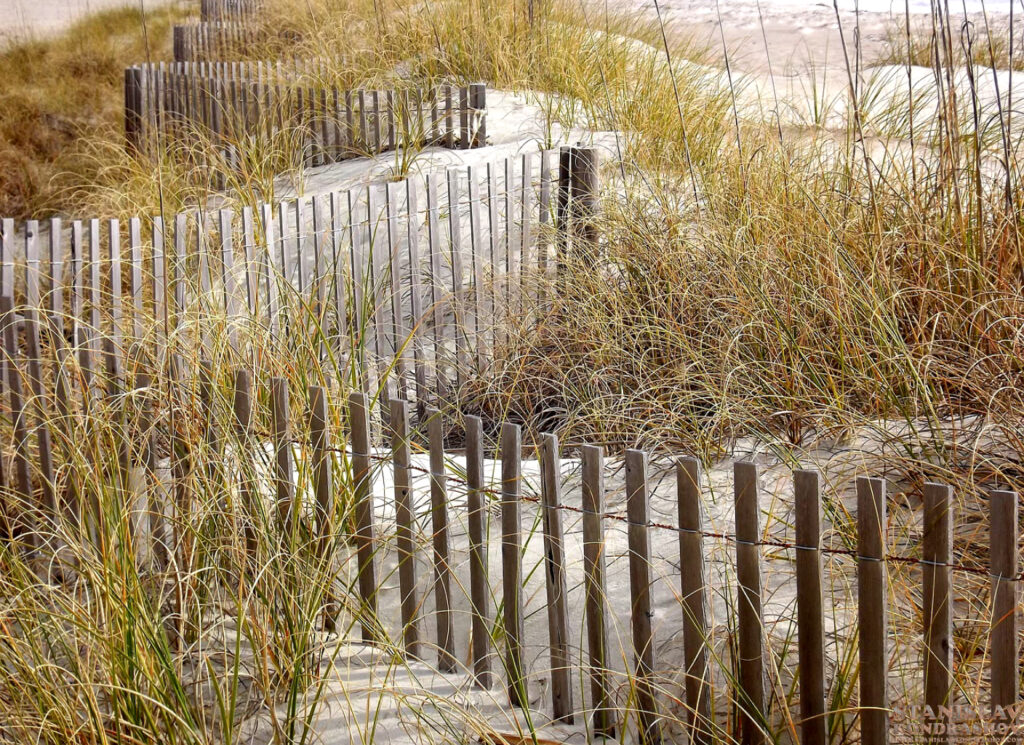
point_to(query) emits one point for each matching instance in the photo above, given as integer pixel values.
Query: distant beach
(789, 37)
(25, 19)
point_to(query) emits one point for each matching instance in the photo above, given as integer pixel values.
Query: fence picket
(21, 524)
(937, 611)
(810, 607)
(442, 561)
(871, 610)
(557, 593)
(404, 524)
(750, 696)
(362, 477)
(280, 413)
(637, 506)
(596, 594)
(695, 602)
(478, 543)
(1003, 644)
(248, 489)
(511, 563)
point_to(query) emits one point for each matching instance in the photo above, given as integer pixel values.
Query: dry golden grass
(61, 96)
(791, 286)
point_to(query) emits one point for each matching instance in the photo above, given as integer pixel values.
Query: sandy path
(25, 19)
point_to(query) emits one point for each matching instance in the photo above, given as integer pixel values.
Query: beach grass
(813, 286)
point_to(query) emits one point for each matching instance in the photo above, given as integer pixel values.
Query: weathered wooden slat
(458, 292)
(284, 483)
(114, 340)
(7, 258)
(19, 515)
(228, 280)
(810, 608)
(596, 593)
(937, 612)
(442, 558)
(640, 590)
(32, 270)
(750, 696)
(872, 611)
(436, 287)
(252, 280)
(94, 289)
(79, 283)
(405, 535)
(476, 262)
(56, 302)
(396, 327)
(323, 467)
(416, 319)
(695, 601)
(339, 273)
(511, 563)
(40, 399)
(271, 277)
(248, 488)
(135, 278)
(557, 592)
(480, 592)
(362, 477)
(1003, 642)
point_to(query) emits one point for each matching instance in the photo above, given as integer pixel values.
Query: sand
(28, 19)
(789, 37)
(370, 698)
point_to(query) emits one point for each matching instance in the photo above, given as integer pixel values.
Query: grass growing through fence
(811, 286)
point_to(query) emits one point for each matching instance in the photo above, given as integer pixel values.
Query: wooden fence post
(478, 535)
(872, 611)
(640, 590)
(478, 113)
(563, 195)
(404, 533)
(583, 175)
(695, 603)
(937, 611)
(511, 563)
(594, 569)
(362, 477)
(810, 607)
(132, 110)
(1003, 647)
(557, 594)
(442, 562)
(751, 698)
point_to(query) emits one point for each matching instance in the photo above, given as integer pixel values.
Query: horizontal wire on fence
(727, 537)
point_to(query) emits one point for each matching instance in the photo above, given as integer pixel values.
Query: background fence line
(231, 108)
(216, 10)
(203, 41)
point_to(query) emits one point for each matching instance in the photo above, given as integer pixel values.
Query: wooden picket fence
(169, 108)
(220, 10)
(405, 281)
(498, 607)
(203, 41)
